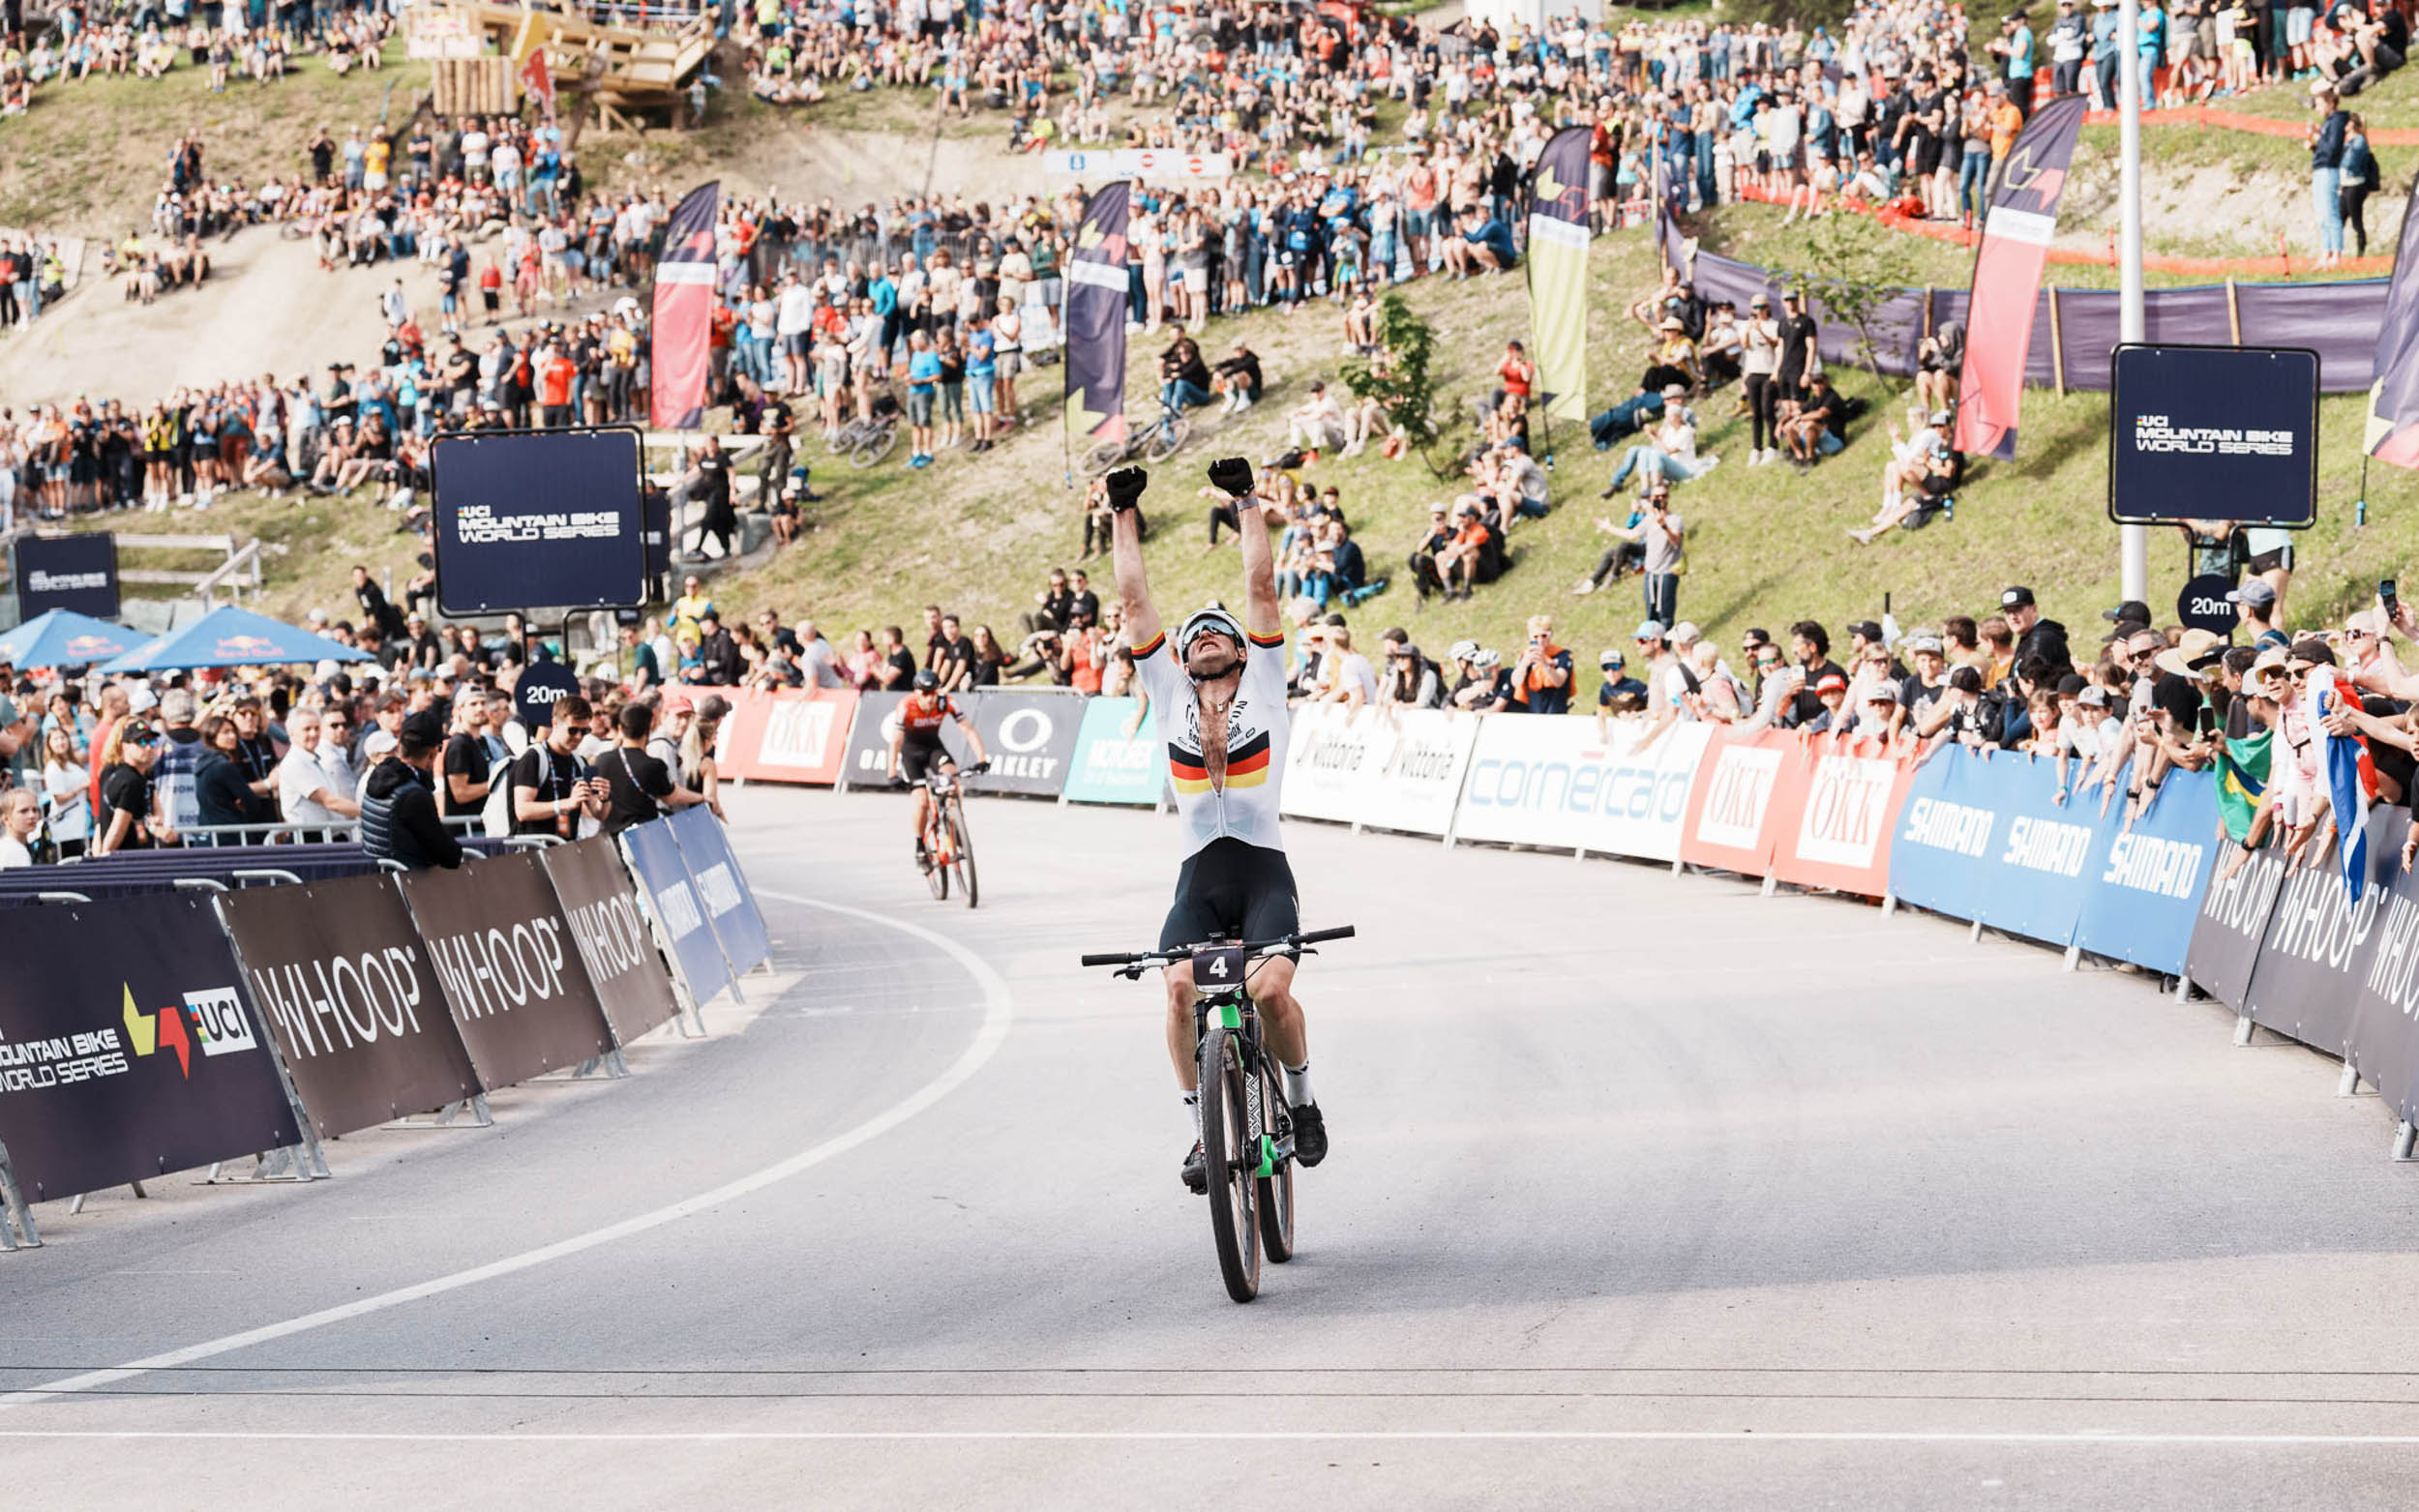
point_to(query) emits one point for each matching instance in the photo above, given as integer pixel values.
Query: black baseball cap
(2133, 611)
(1871, 629)
(2019, 598)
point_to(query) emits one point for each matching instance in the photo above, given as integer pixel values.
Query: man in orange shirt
(1458, 563)
(556, 372)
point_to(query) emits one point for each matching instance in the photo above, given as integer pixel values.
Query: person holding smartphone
(552, 787)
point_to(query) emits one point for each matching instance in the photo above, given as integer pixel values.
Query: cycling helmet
(1464, 650)
(1203, 622)
(927, 680)
(1486, 659)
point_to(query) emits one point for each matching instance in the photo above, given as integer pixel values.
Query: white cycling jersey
(1245, 804)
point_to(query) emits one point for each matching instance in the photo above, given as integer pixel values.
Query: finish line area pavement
(1646, 1190)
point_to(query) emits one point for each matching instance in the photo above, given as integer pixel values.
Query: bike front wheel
(1168, 438)
(1275, 1192)
(1104, 457)
(962, 851)
(937, 852)
(1230, 1158)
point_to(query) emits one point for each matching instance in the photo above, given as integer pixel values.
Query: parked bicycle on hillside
(868, 440)
(1156, 442)
(1246, 1127)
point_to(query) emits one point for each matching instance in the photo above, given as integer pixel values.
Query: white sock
(1296, 1083)
(1192, 1115)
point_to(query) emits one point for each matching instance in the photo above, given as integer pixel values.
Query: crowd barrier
(172, 1029)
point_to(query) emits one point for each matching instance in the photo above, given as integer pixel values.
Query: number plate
(1220, 967)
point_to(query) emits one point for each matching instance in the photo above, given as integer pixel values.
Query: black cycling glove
(1126, 487)
(1233, 474)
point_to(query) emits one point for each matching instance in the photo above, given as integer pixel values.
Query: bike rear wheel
(936, 851)
(1230, 1159)
(1168, 438)
(1275, 1192)
(876, 445)
(1104, 457)
(961, 849)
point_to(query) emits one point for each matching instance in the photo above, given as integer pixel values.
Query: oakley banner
(344, 982)
(1549, 781)
(1117, 756)
(126, 1048)
(601, 905)
(2316, 954)
(721, 887)
(868, 761)
(2147, 880)
(511, 975)
(673, 907)
(1029, 736)
(2230, 922)
(787, 737)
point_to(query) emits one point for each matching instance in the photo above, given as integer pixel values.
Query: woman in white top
(67, 792)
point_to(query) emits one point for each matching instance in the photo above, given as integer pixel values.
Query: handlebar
(1148, 958)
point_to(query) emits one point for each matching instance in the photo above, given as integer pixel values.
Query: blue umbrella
(231, 637)
(63, 637)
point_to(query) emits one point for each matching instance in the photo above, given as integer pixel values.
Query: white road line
(998, 1011)
(1273, 1435)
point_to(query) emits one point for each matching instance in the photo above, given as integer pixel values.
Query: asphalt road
(1645, 1191)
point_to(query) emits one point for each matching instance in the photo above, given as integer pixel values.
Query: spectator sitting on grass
(1183, 377)
(1317, 423)
(1238, 380)
(1817, 426)
(1475, 556)
(1508, 485)
(1922, 468)
(1670, 453)
(1484, 245)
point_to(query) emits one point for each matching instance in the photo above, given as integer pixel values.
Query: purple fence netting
(2337, 321)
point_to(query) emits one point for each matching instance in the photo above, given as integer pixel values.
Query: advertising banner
(683, 307)
(511, 975)
(1096, 299)
(77, 572)
(1118, 756)
(1558, 272)
(126, 1048)
(1334, 751)
(600, 904)
(1833, 823)
(1417, 781)
(2214, 433)
(1735, 805)
(868, 761)
(1029, 736)
(2316, 955)
(2385, 1014)
(2229, 923)
(1551, 782)
(2146, 881)
(342, 980)
(2000, 313)
(673, 907)
(721, 887)
(787, 737)
(1984, 838)
(531, 519)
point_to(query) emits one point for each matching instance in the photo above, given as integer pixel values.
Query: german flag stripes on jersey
(1255, 730)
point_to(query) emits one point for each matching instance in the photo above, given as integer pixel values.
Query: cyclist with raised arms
(1218, 690)
(915, 748)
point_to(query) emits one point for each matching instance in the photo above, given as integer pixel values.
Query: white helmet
(1464, 650)
(1208, 621)
(1486, 659)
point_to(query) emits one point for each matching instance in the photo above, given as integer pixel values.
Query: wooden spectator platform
(626, 70)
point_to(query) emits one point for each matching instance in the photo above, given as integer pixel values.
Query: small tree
(1856, 269)
(1398, 378)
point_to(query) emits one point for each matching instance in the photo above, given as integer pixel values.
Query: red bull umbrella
(63, 637)
(233, 636)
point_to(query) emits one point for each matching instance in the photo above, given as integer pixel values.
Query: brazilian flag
(2242, 776)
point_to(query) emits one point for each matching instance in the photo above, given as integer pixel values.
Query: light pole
(2133, 540)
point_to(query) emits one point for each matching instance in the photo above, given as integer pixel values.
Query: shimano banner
(601, 905)
(2230, 922)
(126, 1048)
(1554, 783)
(1117, 756)
(344, 983)
(2146, 881)
(672, 907)
(511, 975)
(721, 887)
(2316, 955)
(78, 573)
(1029, 736)
(1984, 838)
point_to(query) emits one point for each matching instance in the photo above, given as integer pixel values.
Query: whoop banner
(672, 903)
(2315, 954)
(343, 982)
(608, 924)
(1117, 756)
(511, 975)
(721, 887)
(1096, 320)
(2022, 217)
(1558, 272)
(787, 737)
(683, 313)
(126, 1048)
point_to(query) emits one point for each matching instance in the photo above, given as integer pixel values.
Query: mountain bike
(948, 848)
(1247, 1126)
(1156, 442)
(868, 442)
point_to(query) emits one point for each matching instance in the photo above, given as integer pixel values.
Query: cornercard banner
(344, 983)
(787, 737)
(672, 904)
(1117, 756)
(600, 904)
(127, 1049)
(721, 887)
(512, 976)
(1554, 782)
